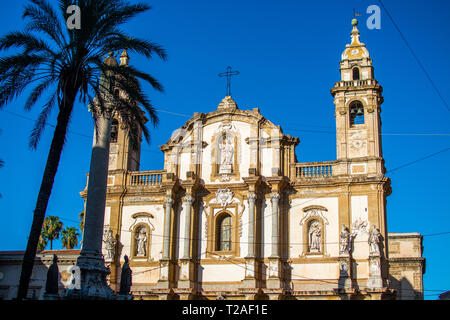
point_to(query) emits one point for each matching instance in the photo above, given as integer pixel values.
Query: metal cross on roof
(356, 14)
(228, 74)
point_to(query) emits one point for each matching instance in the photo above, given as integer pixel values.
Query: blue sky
(288, 56)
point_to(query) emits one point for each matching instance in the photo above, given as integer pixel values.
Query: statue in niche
(374, 241)
(141, 242)
(345, 241)
(315, 236)
(226, 154)
(110, 244)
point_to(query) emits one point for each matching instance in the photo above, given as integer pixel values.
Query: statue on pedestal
(345, 244)
(51, 284)
(226, 155)
(374, 241)
(125, 278)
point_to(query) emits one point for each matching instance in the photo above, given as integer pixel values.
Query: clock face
(355, 52)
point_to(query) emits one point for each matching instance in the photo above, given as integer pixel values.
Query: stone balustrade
(146, 178)
(313, 169)
(356, 83)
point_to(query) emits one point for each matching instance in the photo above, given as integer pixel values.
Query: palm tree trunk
(48, 178)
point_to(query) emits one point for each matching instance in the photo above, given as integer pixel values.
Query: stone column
(251, 224)
(274, 269)
(250, 282)
(91, 261)
(164, 263)
(187, 226)
(275, 250)
(167, 224)
(186, 280)
(375, 280)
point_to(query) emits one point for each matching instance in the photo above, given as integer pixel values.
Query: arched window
(114, 130)
(224, 225)
(356, 113)
(355, 73)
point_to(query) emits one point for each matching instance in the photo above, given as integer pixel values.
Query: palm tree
(69, 237)
(42, 242)
(68, 64)
(51, 229)
(81, 218)
(81, 225)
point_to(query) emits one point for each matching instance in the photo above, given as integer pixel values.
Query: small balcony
(146, 178)
(312, 170)
(356, 83)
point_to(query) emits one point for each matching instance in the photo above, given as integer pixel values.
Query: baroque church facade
(234, 215)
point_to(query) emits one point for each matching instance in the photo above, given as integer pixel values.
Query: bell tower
(122, 156)
(358, 99)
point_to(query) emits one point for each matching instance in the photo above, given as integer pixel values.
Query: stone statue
(141, 241)
(125, 278)
(374, 241)
(51, 284)
(315, 237)
(227, 152)
(110, 245)
(345, 240)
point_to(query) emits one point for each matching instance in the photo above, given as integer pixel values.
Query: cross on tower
(228, 74)
(355, 14)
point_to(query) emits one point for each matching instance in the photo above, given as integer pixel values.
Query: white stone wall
(331, 225)
(156, 225)
(222, 272)
(359, 213)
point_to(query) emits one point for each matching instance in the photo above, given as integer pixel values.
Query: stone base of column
(375, 280)
(92, 285)
(251, 272)
(274, 293)
(274, 274)
(185, 293)
(381, 294)
(163, 281)
(166, 294)
(250, 293)
(187, 274)
(345, 275)
(250, 283)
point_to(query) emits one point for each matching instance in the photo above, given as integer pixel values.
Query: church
(234, 214)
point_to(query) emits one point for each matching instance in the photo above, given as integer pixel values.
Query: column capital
(274, 196)
(168, 201)
(188, 199)
(252, 196)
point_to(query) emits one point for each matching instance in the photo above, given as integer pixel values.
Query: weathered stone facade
(234, 215)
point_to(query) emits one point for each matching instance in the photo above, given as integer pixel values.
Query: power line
(430, 134)
(418, 160)
(415, 56)
(244, 242)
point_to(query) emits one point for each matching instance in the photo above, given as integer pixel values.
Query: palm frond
(44, 19)
(25, 40)
(36, 93)
(40, 123)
